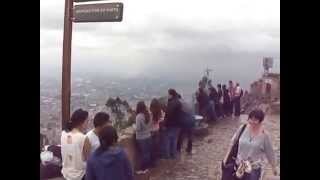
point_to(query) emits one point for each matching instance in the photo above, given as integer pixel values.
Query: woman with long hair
(109, 162)
(156, 114)
(143, 136)
(72, 143)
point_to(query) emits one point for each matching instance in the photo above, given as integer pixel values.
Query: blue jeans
(254, 175)
(144, 146)
(170, 143)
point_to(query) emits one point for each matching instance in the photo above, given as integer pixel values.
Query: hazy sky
(168, 38)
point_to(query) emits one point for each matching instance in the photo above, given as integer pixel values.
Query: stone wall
(258, 88)
(128, 142)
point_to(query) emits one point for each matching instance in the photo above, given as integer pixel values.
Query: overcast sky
(168, 38)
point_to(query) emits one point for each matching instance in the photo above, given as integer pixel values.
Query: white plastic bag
(46, 156)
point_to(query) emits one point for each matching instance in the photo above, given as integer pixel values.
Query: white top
(93, 139)
(254, 149)
(73, 166)
(238, 91)
(143, 130)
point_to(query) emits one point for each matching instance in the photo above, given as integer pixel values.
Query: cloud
(167, 37)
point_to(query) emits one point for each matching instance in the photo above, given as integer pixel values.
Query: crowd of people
(159, 133)
(214, 103)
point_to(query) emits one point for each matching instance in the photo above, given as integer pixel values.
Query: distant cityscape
(92, 93)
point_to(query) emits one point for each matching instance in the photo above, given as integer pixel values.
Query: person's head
(107, 136)
(172, 93)
(79, 120)
(256, 117)
(219, 86)
(214, 89)
(205, 79)
(202, 85)
(100, 120)
(237, 84)
(230, 83)
(155, 108)
(142, 108)
(224, 87)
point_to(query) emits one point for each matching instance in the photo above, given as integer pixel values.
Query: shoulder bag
(229, 167)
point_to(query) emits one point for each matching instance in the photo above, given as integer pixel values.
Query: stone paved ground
(210, 150)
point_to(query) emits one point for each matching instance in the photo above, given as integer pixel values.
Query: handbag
(229, 167)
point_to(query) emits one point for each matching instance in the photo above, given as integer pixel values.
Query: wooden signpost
(103, 12)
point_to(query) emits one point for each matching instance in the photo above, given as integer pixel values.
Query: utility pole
(66, 62)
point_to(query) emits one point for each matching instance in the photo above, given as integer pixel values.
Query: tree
(117, 107)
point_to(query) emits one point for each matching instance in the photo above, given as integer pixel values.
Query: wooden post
(66, 63)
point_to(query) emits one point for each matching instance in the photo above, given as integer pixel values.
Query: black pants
(185, 132)
(237, 106)
(155, 147)
(227, 108)
(231, 107)
(219, 110)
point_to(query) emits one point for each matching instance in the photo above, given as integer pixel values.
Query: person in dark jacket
(187, 127)
(202, 99)
(213, 96)
(172, 124)
(205, 107)
(226, 101)
(220, 111)
(108, 162)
